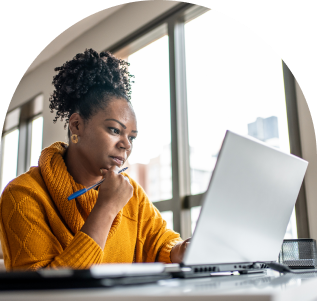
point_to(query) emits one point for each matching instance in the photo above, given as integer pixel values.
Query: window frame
(27, 114)
(295, 148)
(4, 133)
(29, 139)
(182, 200)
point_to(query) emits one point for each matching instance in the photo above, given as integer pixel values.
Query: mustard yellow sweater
(39, 227)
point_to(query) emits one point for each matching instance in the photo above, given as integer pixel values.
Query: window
(229, 74)
(194, 215)
(21, 140)
(150, 161)
(240, 86)
(9, 148)
(36, 140)
(9, 160)
(168, 217)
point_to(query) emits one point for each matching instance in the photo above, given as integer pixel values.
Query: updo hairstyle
(87, 83)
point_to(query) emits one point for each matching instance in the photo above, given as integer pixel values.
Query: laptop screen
(247, 205)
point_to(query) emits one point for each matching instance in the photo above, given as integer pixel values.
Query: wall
(102, 36)
(308, 144)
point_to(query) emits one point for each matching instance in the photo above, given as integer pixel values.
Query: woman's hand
(115, 191)
(178, 251)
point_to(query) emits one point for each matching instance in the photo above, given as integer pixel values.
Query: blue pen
(82, 191)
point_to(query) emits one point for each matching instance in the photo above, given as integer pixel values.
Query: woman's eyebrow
(120, 124)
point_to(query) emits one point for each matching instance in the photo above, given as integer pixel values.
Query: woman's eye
(114, 130)
(132, 139)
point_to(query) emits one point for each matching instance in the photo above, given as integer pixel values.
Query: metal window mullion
(295, 148)
(179, 123)
(165, 17)
(166, 205)
(22, 146)
(193, 200)
(28, 146)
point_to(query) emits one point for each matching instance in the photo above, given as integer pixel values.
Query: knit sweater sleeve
(28, 241)
(157, 240)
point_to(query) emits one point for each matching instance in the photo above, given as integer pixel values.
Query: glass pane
(168, 217)
(291, 231)
(9, 164)
(150, 161)
(237, 84)
(36, 140)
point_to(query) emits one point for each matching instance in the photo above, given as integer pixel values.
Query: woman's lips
(118, 160)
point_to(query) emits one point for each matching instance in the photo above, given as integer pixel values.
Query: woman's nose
(125, 143)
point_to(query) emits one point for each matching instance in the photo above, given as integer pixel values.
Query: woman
(112, 224)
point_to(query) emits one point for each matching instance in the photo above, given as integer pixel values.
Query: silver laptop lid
(247, 205)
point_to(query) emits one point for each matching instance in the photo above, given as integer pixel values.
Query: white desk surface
(266, 286)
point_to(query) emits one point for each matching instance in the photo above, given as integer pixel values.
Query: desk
(266, 286)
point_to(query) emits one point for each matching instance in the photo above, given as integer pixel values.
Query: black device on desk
(245, 210)
(107, 275)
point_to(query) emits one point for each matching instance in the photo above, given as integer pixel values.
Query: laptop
(244, 216)
(245, 210)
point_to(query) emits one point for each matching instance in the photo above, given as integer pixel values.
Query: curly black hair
(87, 83)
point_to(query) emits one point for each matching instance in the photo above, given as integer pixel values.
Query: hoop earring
(74, 138)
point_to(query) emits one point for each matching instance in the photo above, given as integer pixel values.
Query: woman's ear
(76, 124)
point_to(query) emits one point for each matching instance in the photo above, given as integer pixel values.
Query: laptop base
(197, 271)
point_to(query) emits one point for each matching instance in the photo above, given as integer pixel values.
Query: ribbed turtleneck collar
(61, 184)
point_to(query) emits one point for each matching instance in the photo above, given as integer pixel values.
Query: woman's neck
(77, 168)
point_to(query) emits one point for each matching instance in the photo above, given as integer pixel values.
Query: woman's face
(107, 138)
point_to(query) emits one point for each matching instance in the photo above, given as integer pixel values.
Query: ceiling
(70, 35)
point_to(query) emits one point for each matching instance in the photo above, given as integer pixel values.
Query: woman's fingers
(185, 243)
(126, 178)
(115, 191)
(113, 168)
